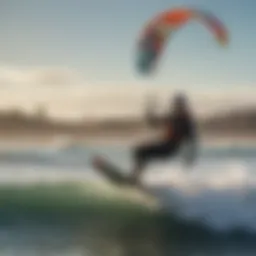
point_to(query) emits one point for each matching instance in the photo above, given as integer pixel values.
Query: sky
(75, 55)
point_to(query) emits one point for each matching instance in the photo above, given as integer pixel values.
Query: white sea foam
(220, 190)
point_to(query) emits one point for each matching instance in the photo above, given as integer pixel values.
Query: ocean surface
(53, 203)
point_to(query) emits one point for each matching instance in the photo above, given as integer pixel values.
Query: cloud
(55, 87)
(28, 77)
(57, 77)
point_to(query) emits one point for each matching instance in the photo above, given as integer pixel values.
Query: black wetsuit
(180, 128)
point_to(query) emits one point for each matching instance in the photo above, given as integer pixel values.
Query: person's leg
(144, 154)
(140, 159)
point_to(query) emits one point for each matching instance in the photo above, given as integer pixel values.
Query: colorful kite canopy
(155, 35)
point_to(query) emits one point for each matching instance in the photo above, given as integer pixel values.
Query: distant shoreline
(235, 127)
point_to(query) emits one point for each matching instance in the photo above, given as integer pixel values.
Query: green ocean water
(51, 205)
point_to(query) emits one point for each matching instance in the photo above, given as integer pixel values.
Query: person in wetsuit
(179, 129)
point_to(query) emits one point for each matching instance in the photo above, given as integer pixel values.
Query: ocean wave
(76, 204)
(56, 186)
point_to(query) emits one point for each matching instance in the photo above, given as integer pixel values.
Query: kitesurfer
(179, 129)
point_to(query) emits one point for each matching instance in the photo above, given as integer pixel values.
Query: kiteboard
(115, 175)
(118, 178)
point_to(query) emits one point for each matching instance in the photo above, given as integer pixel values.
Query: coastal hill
(236, 121)
(241, 121)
